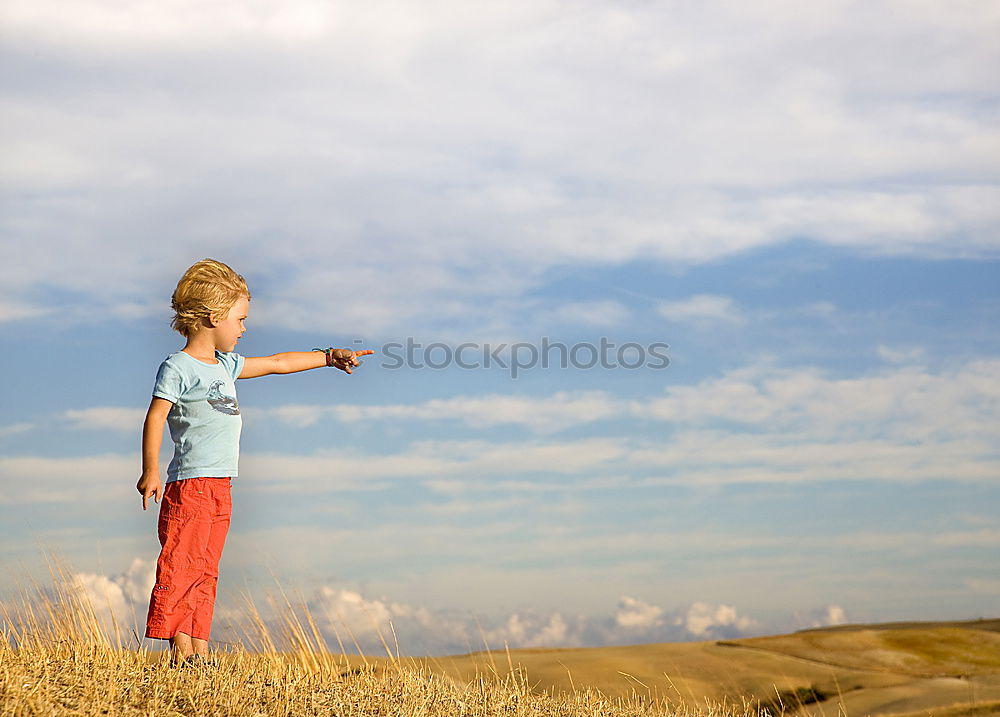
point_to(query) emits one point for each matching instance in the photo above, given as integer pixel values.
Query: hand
(149, 485)
(345, 359)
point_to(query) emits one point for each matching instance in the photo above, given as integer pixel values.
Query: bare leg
(182, 647)
(200, 646)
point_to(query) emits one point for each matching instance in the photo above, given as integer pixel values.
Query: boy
(195, 394)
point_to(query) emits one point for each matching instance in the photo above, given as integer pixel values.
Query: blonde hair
(208, 287)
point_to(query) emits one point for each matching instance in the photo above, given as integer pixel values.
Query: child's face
(229, 329)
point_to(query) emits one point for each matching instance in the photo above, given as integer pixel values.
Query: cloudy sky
(766, 236)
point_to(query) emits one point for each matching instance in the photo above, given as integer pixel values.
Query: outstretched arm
(295, 361)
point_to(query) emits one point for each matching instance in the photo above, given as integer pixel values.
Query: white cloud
(106, 418)
(634, 613)
(16, 311)
(825, 616)
(587, 313)
(758, 424)
(835, 615)
(14, 429)
(606, 134)
(901, 403)
(755, 424)
(350, 619)
(346, 616)
(634, 622)
(533, 630)
(782, 459)
(88, 479)
(702, 308)
(707, 621)
(121, 599)
(145, 23)
(449, 466)
(985, 537)
(347, 613)
(901, 354)
(437, 461)
(552, 413)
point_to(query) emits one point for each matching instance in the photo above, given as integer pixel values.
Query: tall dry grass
(57, 657)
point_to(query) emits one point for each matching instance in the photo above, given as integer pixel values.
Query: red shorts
(194, 520)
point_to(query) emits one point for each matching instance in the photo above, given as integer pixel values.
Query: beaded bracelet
(329, 355)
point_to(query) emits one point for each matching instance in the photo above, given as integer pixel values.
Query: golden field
(57, 659)
(923, 668)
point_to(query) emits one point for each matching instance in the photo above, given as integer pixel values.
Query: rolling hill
(942, 668)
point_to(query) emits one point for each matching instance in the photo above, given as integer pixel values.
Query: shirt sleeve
(232, 361)
(168, 383)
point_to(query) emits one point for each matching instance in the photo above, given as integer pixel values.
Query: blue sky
(800, 201)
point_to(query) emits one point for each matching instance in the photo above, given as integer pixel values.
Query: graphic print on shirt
(221, 402)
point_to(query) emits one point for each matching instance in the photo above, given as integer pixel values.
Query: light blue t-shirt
(205, 419)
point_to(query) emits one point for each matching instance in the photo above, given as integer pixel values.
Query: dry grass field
(56, 658)
(77, 680)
